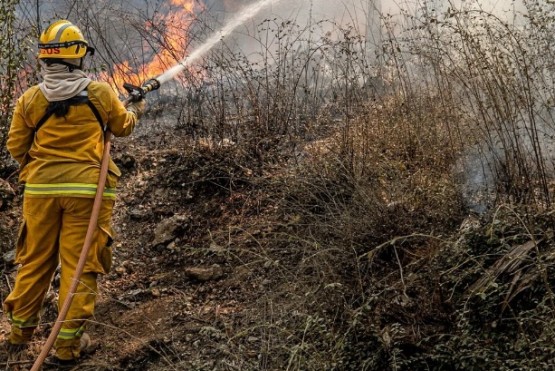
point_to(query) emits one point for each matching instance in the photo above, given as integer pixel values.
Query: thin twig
(8, 282)
(401, 272)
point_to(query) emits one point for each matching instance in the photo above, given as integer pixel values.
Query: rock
(136, 295)
(9, 257)
(212, 332)
(126, 161)
(214, 247)
(167, 230)
(138, 214)
(204, 274)
(172, 246)
(6, 192)
(126, 267)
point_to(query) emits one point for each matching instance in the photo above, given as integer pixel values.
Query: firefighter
(57, 137)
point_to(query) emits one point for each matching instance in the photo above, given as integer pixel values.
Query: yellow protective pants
(53, 231)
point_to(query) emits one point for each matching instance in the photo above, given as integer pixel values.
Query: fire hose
(136, 93)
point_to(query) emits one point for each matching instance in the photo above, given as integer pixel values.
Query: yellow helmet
(63, 40)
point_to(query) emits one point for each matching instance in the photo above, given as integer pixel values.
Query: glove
(138, 108)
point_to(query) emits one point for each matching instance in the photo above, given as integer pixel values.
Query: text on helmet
(50, 51)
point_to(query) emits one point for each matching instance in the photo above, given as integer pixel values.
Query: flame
(169, 31)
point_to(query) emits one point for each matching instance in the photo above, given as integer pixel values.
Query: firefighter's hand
(138, 107)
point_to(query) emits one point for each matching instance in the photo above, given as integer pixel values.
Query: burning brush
(139, 92)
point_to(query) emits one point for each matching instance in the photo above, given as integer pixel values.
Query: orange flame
(170, 35)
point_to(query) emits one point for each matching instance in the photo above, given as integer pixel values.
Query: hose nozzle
(137, 93)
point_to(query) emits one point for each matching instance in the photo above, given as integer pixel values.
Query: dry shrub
(385, 175)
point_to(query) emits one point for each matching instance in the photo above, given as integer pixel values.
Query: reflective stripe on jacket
(66, 150)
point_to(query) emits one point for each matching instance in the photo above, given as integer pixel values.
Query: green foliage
(13, 53)
(10, 62)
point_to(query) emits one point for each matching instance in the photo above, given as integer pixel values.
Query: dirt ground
(182, 290)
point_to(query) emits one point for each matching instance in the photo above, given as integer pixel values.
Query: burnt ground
(187, 285)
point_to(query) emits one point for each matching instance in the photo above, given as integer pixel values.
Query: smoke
(361, 11)
(477, 178)
(363, 15)
(501, 8)
(353, 12)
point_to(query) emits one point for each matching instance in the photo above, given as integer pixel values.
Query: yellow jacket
(63, 157)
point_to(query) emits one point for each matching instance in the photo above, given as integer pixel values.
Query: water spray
(139, 92)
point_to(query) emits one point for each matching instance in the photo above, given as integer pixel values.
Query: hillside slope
(223, 262)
